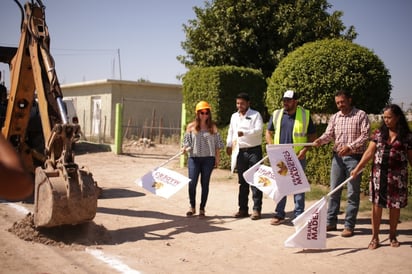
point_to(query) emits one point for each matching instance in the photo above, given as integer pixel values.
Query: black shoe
(255, 215)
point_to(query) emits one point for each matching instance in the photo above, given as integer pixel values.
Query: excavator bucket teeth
(64, 199)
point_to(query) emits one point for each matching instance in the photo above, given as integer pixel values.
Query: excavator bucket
(65, 196)
(36, 124)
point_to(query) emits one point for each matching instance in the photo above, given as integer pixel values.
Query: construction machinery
(36, 125)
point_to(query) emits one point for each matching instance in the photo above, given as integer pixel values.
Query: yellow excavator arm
(63, 192)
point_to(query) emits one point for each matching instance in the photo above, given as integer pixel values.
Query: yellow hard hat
(202, 105)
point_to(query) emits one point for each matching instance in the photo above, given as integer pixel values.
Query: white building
(148, 108)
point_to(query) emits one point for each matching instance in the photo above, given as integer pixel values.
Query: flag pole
(339, 186)
(258, 163)
(170, 159)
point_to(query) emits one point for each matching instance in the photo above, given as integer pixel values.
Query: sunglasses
(204, 112)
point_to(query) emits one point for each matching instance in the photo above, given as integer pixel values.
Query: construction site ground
(135, 231)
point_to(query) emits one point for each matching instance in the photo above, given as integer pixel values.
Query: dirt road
(137, 232)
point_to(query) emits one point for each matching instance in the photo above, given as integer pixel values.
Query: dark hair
(402, 127)
(209, 122)
(244, 96)
(343, 92)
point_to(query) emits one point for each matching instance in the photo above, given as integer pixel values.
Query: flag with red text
(262, 177)
(163, 182)
(288, 171)
(310, 227)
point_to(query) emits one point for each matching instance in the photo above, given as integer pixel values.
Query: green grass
(318, 191)
(406, 213)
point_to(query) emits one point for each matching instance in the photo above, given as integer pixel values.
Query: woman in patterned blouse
(203, 143)
(391, 149)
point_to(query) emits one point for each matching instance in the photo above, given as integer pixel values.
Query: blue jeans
(340, 171)
(299, 200)
(202, 166)
(245, 160)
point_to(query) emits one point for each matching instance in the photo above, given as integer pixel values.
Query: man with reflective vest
(292, 124)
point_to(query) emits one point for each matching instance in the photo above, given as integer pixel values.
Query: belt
(245, 149)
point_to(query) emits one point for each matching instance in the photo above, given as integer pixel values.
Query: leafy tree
(317, 69)
(255, 33)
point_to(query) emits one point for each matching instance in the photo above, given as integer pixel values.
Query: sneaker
(277, 220)
(255, 215)
(241, 214)
(347, 232)
(191, 212)
(331, 228)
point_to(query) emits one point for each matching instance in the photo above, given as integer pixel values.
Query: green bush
(219, 87)
(317, 69)
(224, 158)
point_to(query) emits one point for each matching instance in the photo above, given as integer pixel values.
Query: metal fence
(155, 120)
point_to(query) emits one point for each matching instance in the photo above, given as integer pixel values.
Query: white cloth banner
(233, 159)
(263, 177)
(310, 227)
(288, 171)
(163, 182)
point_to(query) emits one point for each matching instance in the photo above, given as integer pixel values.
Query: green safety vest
(300, 127)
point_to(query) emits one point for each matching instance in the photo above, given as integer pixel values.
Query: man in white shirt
(245, 131)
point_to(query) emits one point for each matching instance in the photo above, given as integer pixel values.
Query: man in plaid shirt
(349, 129)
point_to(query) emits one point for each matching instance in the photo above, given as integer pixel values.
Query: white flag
(235, 152)
(310, 227)
(163, 182)
(262, 177)
(288, 171)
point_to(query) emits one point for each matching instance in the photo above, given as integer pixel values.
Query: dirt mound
(77, 236)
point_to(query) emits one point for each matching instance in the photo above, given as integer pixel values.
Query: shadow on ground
(110, 193)
(87, 147)
(166, 227)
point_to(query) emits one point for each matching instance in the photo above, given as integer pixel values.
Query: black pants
(246, 159)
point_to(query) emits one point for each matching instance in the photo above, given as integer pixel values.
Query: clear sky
(89, 36)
